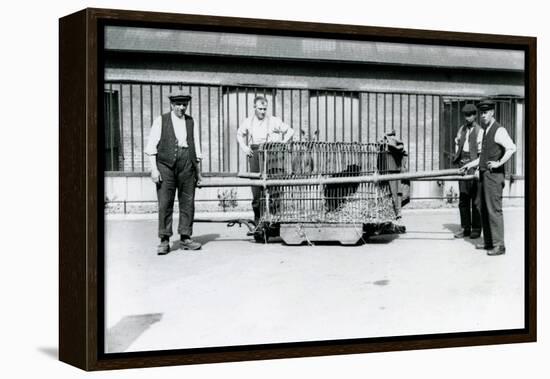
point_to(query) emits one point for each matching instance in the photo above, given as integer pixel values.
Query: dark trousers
(490, 200)
(254, 162)
(181, 178)
(470, 218)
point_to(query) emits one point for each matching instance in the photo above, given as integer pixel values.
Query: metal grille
(336, 115)
(327, 203)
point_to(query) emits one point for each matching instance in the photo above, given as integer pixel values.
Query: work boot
(189, 244)
(475, 234)
(498, 250)
(462, 233)
(163, 248)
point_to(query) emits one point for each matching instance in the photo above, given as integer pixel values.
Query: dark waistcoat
(167, 148)
(490, 150)
(472, 140)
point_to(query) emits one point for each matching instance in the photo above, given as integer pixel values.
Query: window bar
(317, 117)
(200, 118)
(237, 93)
(283, 105)
(300, 115)
(416, 135)
(384, 112)
(351, 116)
(308, 114)
(409, 131)
(401, 116)
(450, 131)
(220, 115)
(111, 132)
(359, 120)
(209, 131)
(121, 117)
(226, 134)
(273, 92)
(392, 116)
(160, 100)
(291, 108)
(141, 126)
(132, 124)
(151, 118)
(376, 118)
(335, 128)
(368, 117)
(433, 127)
(424, 151)
(343, 117)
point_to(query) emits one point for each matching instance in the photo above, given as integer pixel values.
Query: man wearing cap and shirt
(496, 149)
(467, 147)
(174, 153)
(260, 128)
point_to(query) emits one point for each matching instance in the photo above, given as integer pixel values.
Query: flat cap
(179, 95)
(469, 108)
(486, 105)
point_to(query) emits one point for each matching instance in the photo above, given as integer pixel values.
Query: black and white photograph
(242, 189)
(268, 189)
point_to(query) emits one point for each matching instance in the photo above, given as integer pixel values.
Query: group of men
(175, 154)
(482, 151)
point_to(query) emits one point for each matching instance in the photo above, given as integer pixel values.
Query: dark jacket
(474, 153)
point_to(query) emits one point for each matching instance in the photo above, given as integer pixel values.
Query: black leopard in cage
(336, 193)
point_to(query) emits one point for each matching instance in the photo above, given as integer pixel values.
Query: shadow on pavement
(453, 228)
(205, 238)
(126, 331)
(456, 227)
(381, 239)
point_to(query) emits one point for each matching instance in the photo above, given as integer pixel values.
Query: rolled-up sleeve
(242, 131)
(154, 137)
(284, 129)
(480, 139)
(503, 139)
(197, 138)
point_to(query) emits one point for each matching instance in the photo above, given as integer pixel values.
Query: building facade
(349, 91)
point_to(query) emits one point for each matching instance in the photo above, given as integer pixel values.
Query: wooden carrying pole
(375, 178)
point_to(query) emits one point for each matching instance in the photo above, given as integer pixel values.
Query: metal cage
(336, 203)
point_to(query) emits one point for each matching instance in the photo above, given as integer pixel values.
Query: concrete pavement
(237, 292)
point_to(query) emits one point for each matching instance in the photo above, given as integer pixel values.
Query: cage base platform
(296, 234)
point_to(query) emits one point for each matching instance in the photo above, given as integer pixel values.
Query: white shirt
(502, 137)
(180, 130)
(270, 129)
(466, 146)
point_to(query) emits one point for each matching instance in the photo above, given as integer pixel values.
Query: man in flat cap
(496, 149)
(467, 148)
(174, 152)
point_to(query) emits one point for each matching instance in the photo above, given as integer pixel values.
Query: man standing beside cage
(467, 146)
(496, 149)
(174, 154)
(254, 130)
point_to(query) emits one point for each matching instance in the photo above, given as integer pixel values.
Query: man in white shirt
(496, 149)
(467, 147)
(174, 152)
(253, 131)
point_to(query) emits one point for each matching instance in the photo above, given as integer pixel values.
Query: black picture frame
(81, 189)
